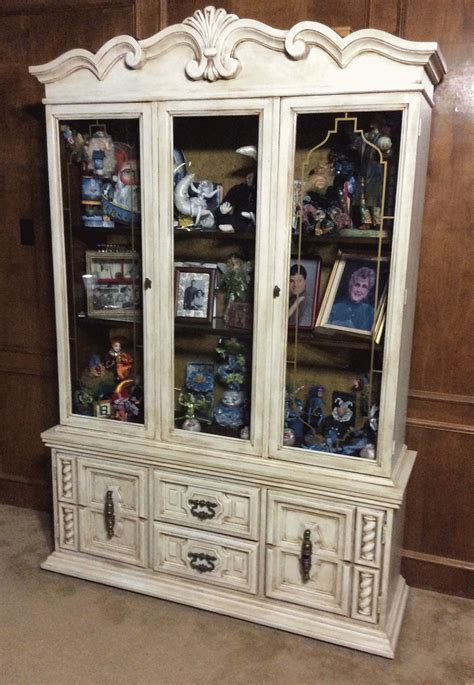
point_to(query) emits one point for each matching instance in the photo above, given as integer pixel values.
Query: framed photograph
(194, 293)
(304, 291)
(113, 285)
(353, 302)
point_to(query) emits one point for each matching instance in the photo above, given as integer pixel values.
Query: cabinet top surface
(215, 47)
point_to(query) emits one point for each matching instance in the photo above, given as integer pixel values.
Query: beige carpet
(57, 630)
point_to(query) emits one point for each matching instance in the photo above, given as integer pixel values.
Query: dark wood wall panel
(441, 407)
(33, 33)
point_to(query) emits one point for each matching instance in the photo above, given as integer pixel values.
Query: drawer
(205, 557)
(331, 524)
(328, 586)
(127, 544)
(312, 568)
(126, 483)
(207, 504)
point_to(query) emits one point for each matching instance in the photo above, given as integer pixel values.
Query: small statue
(191, 402)
(100, 154)
(315, 407)
(117, 360)
(124, 403)
(231, 410)
(196, 206)
(235, 283)
(294, 421)
(237, 211)
(342, 418)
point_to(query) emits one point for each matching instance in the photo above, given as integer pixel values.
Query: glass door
(345, 168)
(219, 224)
(100, 179)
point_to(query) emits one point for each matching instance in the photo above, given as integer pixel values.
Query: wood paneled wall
(438, 539)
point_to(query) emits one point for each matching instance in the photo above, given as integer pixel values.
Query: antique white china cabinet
(236, 214)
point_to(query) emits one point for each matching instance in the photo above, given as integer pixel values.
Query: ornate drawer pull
(306, 553)
(109, 514)
(198, 507)
(203, 563)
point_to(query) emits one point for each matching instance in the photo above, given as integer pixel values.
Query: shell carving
(210, 25)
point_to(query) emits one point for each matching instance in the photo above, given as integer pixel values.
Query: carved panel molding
(214, 35)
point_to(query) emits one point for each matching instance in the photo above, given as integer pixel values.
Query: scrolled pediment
(214, 35)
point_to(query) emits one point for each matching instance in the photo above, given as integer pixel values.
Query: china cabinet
(236, 214)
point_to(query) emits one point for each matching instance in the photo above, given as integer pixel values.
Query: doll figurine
(315, 407)
(124, 408)
(237, 212)
(117, 360)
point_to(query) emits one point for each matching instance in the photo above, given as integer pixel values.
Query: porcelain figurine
(97, 379)
(342, 418)
(123, 407)
(117, 360)
(238, 209)
(315, 407)
(192, 403)
(196, 206)
(100, 154)
(231, 410)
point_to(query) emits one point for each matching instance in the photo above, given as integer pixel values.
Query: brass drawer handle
(306, 553)
(199, 506)
(109, 514)
(203, 563)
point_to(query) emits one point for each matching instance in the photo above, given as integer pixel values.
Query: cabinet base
(310, 623)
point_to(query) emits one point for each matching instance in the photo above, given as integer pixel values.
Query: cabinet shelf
(184, 234)
(217, 327)
(328, 340)
(365, 241)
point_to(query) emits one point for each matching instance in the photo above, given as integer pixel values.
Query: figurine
(123, 406)
(342, 417)
(294, 422)
(117, 360)
(191, 402)
(235, 283)
(196, 206)
(371, 172)
(231, 410)
(315, 407)
(100, 154)
(237, 211)
(97, 379)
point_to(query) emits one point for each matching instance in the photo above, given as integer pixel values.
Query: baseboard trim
(433, 559)
(316, 624)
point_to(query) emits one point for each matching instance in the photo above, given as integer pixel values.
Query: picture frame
(194, 294)
(349, 304)
(304, 281)
(113, 285)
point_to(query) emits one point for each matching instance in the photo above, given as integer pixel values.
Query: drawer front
(310, 547)
(208, 505)
(327, 588)
(127, 543)
(330, 524)
(206, 558)
(125, 483)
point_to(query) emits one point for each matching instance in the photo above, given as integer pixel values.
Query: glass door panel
(345, 181)
(215, 208)
(100, 169)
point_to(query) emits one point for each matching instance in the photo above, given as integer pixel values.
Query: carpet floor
(58, 630)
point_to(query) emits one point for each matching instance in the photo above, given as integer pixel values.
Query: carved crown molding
(213, 35)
